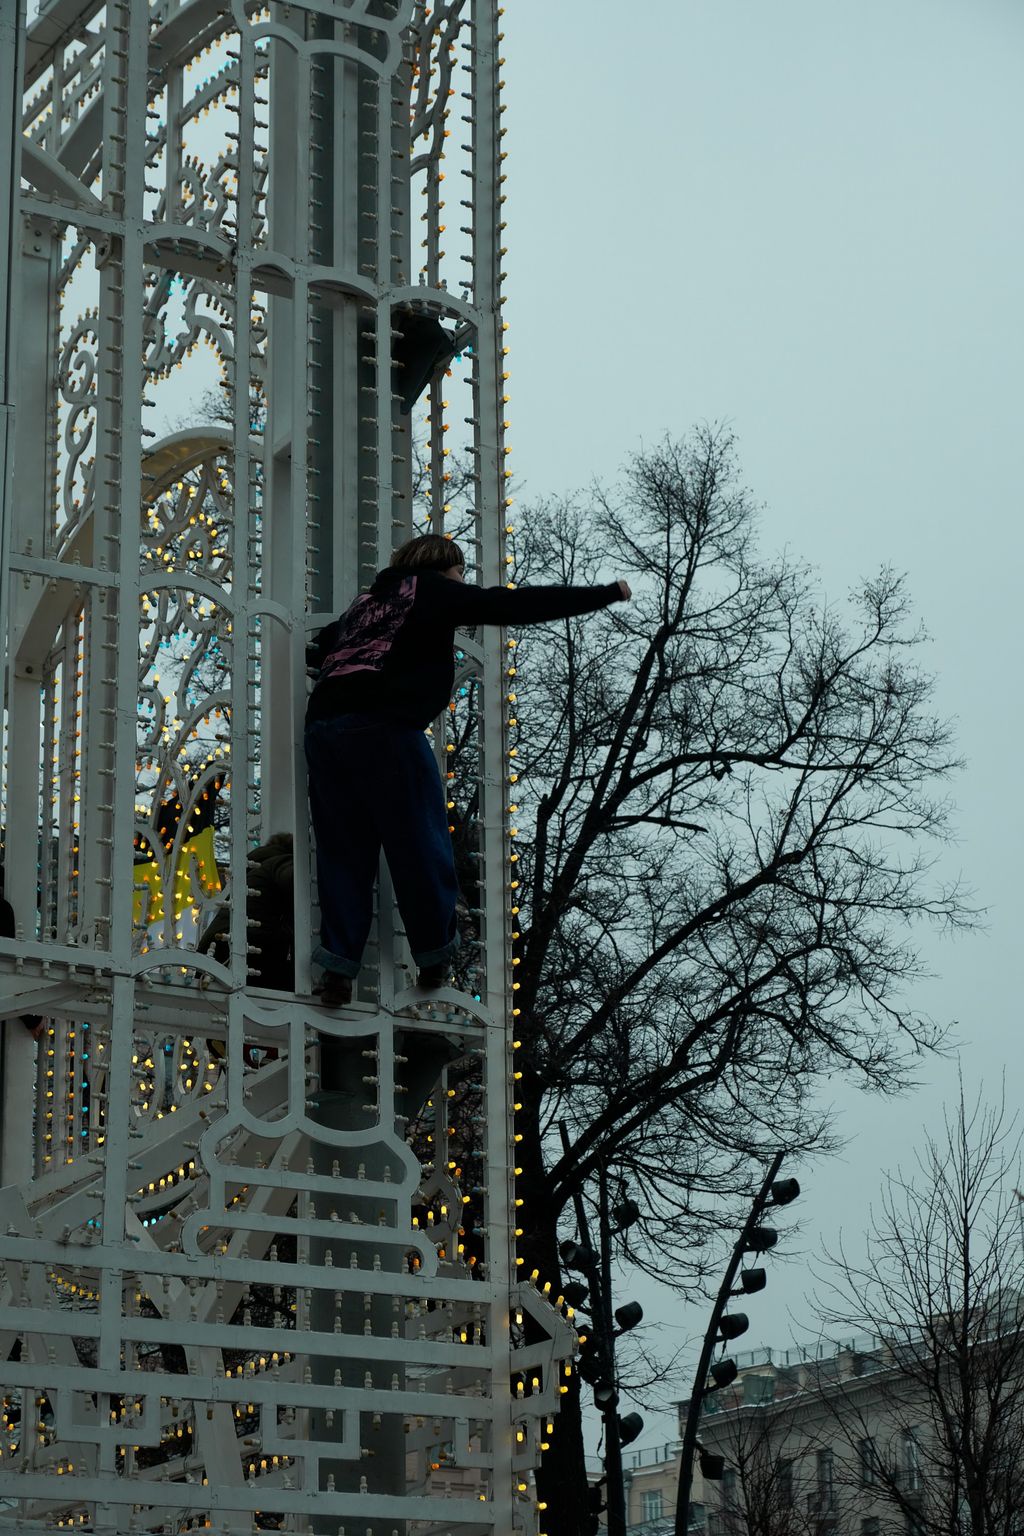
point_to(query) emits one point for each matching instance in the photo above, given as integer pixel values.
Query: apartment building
(835, 1443)
(844, 1441)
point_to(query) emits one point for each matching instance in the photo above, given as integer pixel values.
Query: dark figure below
(269, 917)
(33, 1022)
(269, 931)
(385, 670)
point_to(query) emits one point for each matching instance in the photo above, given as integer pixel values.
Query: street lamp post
(753, 1238)
(597, 1266)
(612, 1439)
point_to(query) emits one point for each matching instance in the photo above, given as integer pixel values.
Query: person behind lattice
(384, 671)
(269, 931)
(33, 1022)
(269, 916)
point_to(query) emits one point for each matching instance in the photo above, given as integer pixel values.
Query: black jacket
(391, 653)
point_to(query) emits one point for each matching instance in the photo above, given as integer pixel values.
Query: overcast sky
(805, 218)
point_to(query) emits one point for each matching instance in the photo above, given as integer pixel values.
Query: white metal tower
(256, 1260)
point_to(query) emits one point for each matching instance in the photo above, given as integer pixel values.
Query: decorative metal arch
(256, 1260)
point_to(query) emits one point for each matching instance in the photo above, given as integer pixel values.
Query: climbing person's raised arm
(464, 605)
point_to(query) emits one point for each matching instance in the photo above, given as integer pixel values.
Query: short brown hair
(429, 552)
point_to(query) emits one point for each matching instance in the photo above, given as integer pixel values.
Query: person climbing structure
(385, 670)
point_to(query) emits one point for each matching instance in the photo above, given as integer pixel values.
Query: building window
(784, 1482)
(867, 1458)
(911, 1461)
(651, 1504)
(869, 1526)
(730, 1486)
(826, 1481)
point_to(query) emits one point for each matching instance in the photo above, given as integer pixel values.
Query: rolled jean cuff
(335, 963)
(437, 956)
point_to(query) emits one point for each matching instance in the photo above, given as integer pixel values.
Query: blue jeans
(374, 784)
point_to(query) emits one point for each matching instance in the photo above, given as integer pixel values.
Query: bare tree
(722, 793)
(942, 1288)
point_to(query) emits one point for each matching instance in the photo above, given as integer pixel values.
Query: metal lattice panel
(257, 1259)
